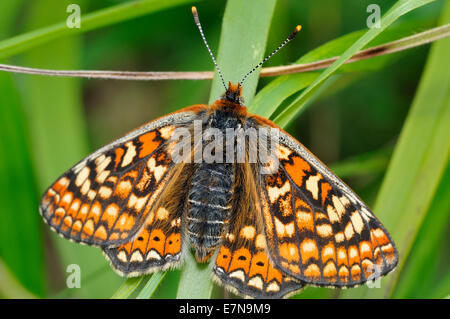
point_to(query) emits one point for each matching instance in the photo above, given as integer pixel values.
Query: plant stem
(402, 44)
(90, 21)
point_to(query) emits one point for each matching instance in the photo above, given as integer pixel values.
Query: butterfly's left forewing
(317, 229)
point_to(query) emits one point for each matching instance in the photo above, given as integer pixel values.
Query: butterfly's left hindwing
(106, 198)
(318, 231)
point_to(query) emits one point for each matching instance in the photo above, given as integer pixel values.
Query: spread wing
(243, 262)
(318, 230)
(106, 198)
(159, 243)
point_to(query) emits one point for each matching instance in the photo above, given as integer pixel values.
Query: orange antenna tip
(194, 10)
(289, 38)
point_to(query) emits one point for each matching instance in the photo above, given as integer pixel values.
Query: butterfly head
(233, 94)
(232, 100)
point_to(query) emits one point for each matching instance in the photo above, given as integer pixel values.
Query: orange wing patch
(156, 246)
(318, 231)
(243, 264)
(105, 199)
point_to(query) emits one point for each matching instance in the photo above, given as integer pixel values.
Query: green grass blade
(272, 95)
(418, 162)
(195, 280)
(442, 288)
(128, 287)
(59, 139)
(400, 8)
(90, 21)
(419, 277)
(151, 285)
(20, 233)
(368, 163)
(10, 287)
(242, 45)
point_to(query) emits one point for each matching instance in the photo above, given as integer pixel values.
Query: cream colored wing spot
(66, 199)
(312, 185)
(348, 231)
(273, 286)
(91, 194)
(275, 192)
(238, 274)
(340, 209)
(96, 209)
(105, 192)
(162, 213)
(75, 206)
(82, 176)
(339, 237)
(102, 163)
(137, 256)
(260, 241)
(137, 203)
(328, 253)
(167, 132)
(284, 230)
(324, 230)
(102, 177)
(283, 152)
(176, 222)
(256, 282)
(333, 215)
(153, 254)
(85, 187)
(130, 154)
(157, 170)
(248, 232)
(352, 252)
(112, 210)
(122, 256)
(230, 237)
(357, 222)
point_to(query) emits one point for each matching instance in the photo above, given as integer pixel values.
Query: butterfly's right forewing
(105, 199)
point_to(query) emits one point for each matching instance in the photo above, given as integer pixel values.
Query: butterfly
(270, 225)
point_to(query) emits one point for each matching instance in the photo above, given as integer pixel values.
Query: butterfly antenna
(289, 38)
(197, 22)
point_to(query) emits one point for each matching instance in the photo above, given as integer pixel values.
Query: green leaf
(90, 21)
(242, 45)
(400, 8)
(58, 136)
(10, 287)
(418, 162)
(420, 276)
(20, 234)
(272, 95)
(151, 285)
(367, 163)
(128, 287)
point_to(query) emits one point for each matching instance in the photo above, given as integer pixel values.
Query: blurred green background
(47, 124)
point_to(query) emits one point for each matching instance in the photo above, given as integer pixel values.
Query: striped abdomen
(209, 206)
